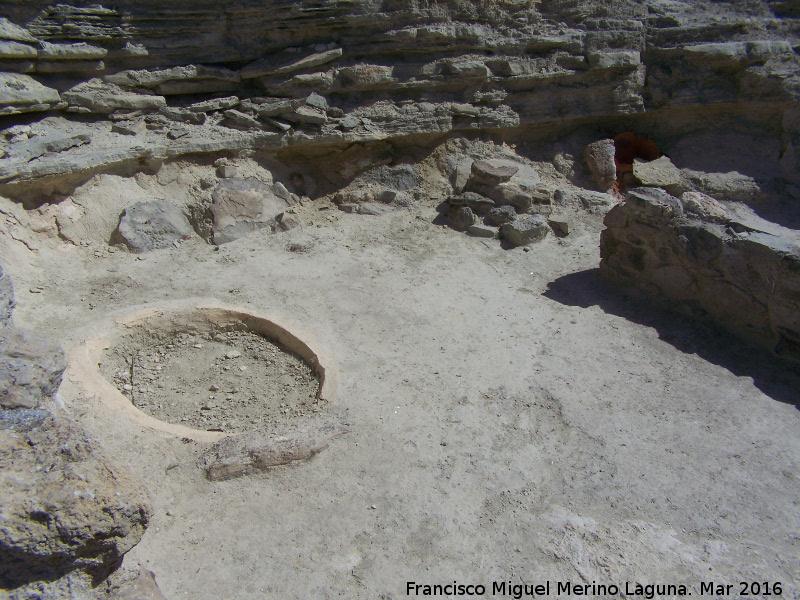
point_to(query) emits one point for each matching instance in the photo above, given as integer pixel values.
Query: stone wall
(693, 250)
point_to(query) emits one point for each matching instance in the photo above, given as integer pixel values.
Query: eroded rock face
(694, 251)
(361, 73)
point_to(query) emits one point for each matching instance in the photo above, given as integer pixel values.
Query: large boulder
(30, 368)
(65, 508)
(742, 272)
(151, 225)
(241, 206)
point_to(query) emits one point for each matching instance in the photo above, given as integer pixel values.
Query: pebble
(243, 368)
(198, 345)
(233, 354)
(127, 387)
(213, 388)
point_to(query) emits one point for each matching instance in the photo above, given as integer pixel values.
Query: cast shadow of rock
(775, 377)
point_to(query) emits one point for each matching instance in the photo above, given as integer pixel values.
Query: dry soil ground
(512, 418)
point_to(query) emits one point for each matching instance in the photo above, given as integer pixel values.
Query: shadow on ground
(774, 376)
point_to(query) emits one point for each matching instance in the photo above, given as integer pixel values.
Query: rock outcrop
(740, 270)
(359, 74)
(68, 514)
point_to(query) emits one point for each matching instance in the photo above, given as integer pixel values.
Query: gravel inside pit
(222, 380)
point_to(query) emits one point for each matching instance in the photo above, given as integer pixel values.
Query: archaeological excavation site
(375, 300)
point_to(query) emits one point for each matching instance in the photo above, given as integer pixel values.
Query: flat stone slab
(656, 173)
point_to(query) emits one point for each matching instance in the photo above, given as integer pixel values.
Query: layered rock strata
(204, 77)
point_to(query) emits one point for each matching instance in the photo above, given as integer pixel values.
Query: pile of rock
(499, 197)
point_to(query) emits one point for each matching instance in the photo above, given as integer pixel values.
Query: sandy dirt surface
(218, 380)
(512, 418)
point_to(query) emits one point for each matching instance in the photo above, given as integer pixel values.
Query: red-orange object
(628, 146)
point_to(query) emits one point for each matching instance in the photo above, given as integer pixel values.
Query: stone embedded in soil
(152, 225)
(370, 208)
(239, 455)
(525, 230)
(241, 206)
(480, 230)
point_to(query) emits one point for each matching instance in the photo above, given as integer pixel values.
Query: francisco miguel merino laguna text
(523, 590)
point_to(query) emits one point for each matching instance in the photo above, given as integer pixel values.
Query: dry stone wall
(743, 274)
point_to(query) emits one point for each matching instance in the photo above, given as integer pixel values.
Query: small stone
(213, 388)
(197, 345)
(462, 218)
(369, 208)
(559, 224)
(233, 354)
(599, 157)
(127, 387)
(227, 171)
(486, 173)
(656, 173)
(128, 127)
(499, 215)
